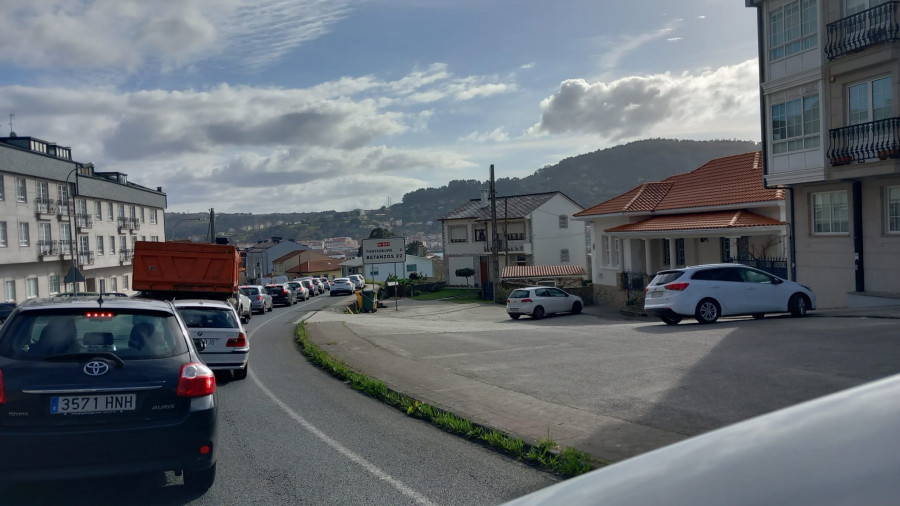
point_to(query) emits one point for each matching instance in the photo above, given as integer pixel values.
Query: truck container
(169, 270)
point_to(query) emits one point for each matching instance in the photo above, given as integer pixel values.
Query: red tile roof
(698, 221)
(728, 181)
(541, 271)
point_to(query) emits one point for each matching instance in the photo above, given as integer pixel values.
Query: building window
(154, 238)
(792, 28)
(100, 245)
(870, 101)
(98, 210)
(54, 284)
(480, 235)
(679, 252)
(411, 268)
(725, 249)
(830, 214)
(31, 288)
(112, 245)
(121, 211)
(153, 216)
(563, 221)
(21, 194)
(893, 209)
(113, 284)
(10, 291)
(23, 235)
(142, 215)
(109, 211)
(133, 213)
(459, 233)
(2, 192)
(3, 243)
(125, 282)
(122, 244)
(564, 256)
(795, 125)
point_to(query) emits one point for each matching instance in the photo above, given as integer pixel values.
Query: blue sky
(310, 105)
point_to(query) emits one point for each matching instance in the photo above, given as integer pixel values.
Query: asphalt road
(291, 434)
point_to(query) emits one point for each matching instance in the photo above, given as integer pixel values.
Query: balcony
(84, 220)
(510, 247)
(862, 30)
(85, 258)
(62, 207)
(866, 141)
(47, 248)
(65, 247)
(44, 205)
(125, 255)
(129, 223)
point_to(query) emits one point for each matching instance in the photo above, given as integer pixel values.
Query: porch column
(672, 252)
(648, 259)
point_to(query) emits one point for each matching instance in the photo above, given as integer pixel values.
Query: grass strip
(546, 454)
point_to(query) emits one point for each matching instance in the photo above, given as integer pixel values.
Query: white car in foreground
(706, 292)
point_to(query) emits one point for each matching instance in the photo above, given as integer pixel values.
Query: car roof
(85, 302)
(202, 302)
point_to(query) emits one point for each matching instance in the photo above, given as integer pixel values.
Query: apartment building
(59, 217)
(831, 135)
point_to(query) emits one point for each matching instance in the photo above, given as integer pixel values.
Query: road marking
(325, 438)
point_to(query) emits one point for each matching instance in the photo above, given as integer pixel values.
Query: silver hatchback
(537, 301)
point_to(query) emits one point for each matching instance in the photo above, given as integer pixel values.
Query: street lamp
(73, 235)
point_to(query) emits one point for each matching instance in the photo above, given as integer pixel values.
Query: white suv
(707, 292)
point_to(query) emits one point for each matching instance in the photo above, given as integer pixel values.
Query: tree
(466, 272)
(377, 233)
(416, 248)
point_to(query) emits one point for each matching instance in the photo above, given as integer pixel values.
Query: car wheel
(271, 307)
(200, 481)
(538, 313)
(707, 311)
(671, 319)
(240, 374)
(798, 305)
(515, 316)
(576, 308)
(758, 316)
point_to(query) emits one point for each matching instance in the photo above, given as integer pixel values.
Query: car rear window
(665, 277)
(250, 291)
(130, 334)
(208, 318)
(519, 294)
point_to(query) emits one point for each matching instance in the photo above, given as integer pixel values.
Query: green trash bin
(369, 303)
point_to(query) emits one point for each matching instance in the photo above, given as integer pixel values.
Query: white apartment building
(829, 75)
(57, 214)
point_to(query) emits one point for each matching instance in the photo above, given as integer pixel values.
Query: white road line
(325, 438)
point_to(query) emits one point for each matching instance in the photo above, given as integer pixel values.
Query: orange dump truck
(169, 270)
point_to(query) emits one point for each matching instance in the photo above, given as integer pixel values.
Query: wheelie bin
(369, 303)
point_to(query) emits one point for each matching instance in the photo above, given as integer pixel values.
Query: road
(291, 434)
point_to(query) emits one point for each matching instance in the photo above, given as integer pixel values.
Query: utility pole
(495, 240)
(212, 225)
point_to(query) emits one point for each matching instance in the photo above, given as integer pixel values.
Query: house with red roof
(720, 212)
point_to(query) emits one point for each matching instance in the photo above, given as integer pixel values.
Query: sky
(262, 106)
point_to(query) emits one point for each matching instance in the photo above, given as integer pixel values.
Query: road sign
(384, 251)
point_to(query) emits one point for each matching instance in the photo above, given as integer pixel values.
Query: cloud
(614, 49)
(529, 65)
(639, 106)
(497, 135)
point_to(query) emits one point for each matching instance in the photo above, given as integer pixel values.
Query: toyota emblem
(96, 368)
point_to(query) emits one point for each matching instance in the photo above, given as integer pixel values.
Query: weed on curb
(546, 454)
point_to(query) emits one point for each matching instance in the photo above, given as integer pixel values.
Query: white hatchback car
(707, 292)
(537, 301)
(218, 333)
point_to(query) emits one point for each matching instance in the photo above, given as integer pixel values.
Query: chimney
(485, 197)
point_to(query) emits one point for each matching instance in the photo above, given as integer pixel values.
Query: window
(2, 193)
(98, 210)
(54, 284)
(142, 215)
(830, 213)
(857, 6)
(792, 28)
(154, 238)
(411, 268)
(121, 213)
(3, 243)
(893, 209)
(43, 197)
(23, 235)
(45, 239)
(459, 233)
(679, 252)
(563, 221)
(480, 235)
(31, 288)
(65, 239)
(125, 282)
(109, 211)
(133, 213)
(100, 245)
(113, 284)
(725, 249)
(604, 242)
(122, 244)
(21, 194)
(875, 104)
(153, 216)
(112, 245)
(795, 125)
(564, 256)
(11, 291)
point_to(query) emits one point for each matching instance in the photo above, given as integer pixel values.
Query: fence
(775, 266)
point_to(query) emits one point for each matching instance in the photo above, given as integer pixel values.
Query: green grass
(461, 295)
(546, 454)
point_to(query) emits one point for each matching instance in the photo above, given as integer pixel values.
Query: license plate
(656, 293)
(92, 403)
(207, 342)
(514, 309)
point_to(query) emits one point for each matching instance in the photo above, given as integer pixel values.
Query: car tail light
(259, 297)
(196, 380)
(237, 342)
(678, 287)
(526, 300)
(2, 389)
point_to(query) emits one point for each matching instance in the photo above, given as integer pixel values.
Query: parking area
(611, 385)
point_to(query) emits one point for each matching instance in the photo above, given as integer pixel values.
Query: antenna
(12, 116)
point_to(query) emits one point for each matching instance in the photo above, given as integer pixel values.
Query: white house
(380, 272)
(535, 229)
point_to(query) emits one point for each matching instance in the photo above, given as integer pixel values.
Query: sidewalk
(374, 345)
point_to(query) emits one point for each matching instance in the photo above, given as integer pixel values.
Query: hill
(588, 179)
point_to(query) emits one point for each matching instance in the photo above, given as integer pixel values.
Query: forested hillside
(588, 179)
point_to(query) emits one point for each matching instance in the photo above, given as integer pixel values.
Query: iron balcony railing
(48, 248)
(129, 223)
(506, 246)
(866, 141)
(125, 255)
(861, 30)
(85, 258)
(65, 247)
(84, 220)
(62, 207)
(44, 205)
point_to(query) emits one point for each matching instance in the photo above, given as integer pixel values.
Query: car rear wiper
(63, 357)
